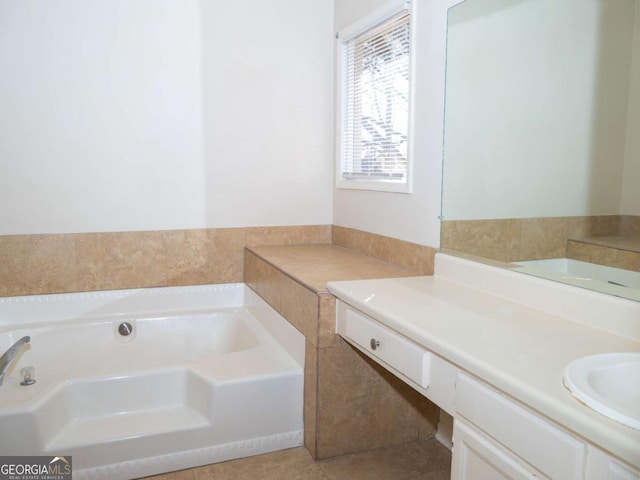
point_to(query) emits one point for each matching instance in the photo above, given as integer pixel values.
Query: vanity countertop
(518, 349)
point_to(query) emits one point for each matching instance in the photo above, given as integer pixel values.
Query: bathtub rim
(57, 308)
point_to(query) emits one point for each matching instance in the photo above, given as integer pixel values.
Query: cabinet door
(477, 457)
(601, 466)
(527, 435)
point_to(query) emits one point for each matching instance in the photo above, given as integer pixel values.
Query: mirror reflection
(542, 139)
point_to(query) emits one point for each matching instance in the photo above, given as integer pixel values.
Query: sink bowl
(609, 383)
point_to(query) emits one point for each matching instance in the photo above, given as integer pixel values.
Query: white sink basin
(609, 383)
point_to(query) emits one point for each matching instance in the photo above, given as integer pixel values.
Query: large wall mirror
(542, 139)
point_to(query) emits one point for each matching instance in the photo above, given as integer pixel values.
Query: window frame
(368, 22)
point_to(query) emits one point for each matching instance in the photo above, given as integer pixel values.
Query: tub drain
(125, 329)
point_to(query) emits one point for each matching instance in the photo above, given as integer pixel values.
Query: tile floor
(424, 460)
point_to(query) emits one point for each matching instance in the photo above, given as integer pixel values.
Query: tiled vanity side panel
(418, 259)
(350, 403)
(300, 306)
(310, 419)
(362, 406)
(292, 300)
(51, 263)
(327, 321)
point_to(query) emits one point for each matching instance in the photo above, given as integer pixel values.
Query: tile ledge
(324, 291)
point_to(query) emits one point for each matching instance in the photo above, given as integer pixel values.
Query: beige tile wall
(598, 254)
(525, 238)
(37, 264)
(362, 406)
(416, 258)
(630, 225)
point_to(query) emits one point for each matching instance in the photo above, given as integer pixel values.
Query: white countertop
(518, 349)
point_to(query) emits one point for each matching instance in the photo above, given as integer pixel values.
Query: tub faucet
(5, 360)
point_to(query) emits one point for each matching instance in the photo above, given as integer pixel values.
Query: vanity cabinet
(494, 433)
(494, 436)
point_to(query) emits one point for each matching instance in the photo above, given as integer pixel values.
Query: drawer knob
(374, 343)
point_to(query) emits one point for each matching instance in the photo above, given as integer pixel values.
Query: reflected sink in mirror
(608, 383)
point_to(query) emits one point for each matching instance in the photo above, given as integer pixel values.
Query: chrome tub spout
(5, 360)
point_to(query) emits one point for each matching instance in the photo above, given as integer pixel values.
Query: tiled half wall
(514, 239)
(418, 259)
(40, 264)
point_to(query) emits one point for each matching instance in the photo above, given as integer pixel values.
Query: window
(374, 118)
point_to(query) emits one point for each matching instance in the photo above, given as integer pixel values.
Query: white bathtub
(615, 281)
(210, 373)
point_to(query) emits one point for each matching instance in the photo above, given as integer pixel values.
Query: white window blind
(375, 103)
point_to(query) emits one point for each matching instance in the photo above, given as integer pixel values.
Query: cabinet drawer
(384, 344)
(538, 442)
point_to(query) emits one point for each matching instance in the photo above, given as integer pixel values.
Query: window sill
(379, 186)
